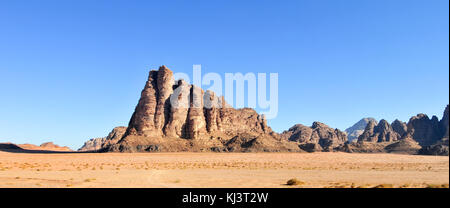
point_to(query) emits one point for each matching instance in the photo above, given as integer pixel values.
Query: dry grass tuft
(437, 186)
(294, 182)
(384, 186)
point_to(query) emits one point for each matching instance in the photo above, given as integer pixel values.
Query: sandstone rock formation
(93, 144)
(400, 127)
(362, 147)
(177, 116)
(405, 146)
(47, 146)
(357, 129)
(439, 148)
(98, 143)
(424, 130)
(444, 125)
(421, 135)
(382, 132)
(315, 138)
(382, 137)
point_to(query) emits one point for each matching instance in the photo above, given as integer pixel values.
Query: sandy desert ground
(221, 170)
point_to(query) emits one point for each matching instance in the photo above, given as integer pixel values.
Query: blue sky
(72, 70)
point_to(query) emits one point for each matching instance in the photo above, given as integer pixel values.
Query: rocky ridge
(318, 137)
(421, 135)
(96, 144)
(357, 129)
(46, 146)
(173, 116)
(177, 116)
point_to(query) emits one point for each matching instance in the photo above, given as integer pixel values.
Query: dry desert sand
(167, 170)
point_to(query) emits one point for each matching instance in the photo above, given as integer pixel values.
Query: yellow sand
(221, 170)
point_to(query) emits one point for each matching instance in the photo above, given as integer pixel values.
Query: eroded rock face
(444, 125)
(176, 126)
(399, 127)
(382, 132)
(327, 138)
(424, 130)
(358, 128)
(96, 144)
(92, 144)
(177, 116)
(311, 147)
(47, 146)
(114, 136)
(439, 148)
(431, 134)
(421, 135)
(404, 146)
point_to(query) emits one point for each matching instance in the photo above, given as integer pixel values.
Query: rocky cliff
(174, 116)
(177, 116)
(318, 137)
(424, 130)
(438, 138)
(383, 132)
(357, 129)
(444, 125)
(399, 127)
(92, 144)
(47, 146)
(96, 144)
(421, 135)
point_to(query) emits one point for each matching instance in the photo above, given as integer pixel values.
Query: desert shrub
(384, 186)
(437, 185)
(294, 182)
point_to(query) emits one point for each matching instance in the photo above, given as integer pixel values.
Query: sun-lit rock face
(171, 114)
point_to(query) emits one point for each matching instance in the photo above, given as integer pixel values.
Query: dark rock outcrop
(362, 147)
(424, 130)
(96, 144)
(440, 148)
(444, 125)
(327, 138)
(382, 132)
(311, 147)
(404, 146)
(358, 128)
(9, 146)
(421, 135)
(93, 144)
(400, 127)
(431, 133)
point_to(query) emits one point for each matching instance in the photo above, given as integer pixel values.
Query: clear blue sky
(73, 70)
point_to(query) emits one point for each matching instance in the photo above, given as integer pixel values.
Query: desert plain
(240, 170)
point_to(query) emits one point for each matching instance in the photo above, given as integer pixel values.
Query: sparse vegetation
(437, 186)
(294, 182)
(172, 169)
(384, 186)
(89, 180)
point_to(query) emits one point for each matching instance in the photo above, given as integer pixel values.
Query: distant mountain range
(47, 146)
